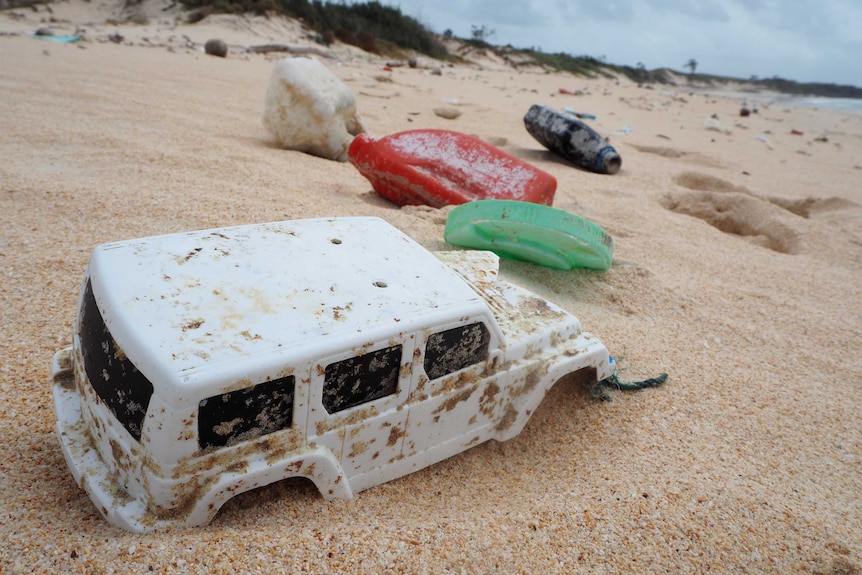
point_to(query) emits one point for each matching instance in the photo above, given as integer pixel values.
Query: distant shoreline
(852, 105)
(773, 98)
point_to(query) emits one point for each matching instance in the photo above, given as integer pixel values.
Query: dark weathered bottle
(572, 139)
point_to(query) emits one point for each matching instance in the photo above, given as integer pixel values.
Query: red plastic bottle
(440, 167)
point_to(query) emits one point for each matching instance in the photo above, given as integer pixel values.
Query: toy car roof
(184, 302)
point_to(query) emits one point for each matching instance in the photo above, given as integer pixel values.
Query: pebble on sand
(216, 47)
(448, 113)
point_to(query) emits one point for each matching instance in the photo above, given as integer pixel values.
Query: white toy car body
(209, 363)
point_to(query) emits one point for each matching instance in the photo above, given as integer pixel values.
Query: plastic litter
(209, 363)
(572, 139)
(601, 389)
(579, 115)
(309, 109)
(713, 124)
(530, 232)
(60, 39)
(441, 167)
(624, 131)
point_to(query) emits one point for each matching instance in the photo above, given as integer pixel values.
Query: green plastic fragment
(525, 231)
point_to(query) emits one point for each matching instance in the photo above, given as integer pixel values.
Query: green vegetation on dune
(371, 26)
(384, 30)
(579, 65)
(200, 9)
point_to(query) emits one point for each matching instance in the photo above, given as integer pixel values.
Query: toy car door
(357, 404)
(455, 399)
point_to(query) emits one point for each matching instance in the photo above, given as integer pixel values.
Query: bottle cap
(530, 232)
(609, 161)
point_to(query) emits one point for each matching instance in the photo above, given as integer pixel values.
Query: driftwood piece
(265, 48)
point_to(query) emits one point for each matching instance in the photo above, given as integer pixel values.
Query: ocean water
(853, 105)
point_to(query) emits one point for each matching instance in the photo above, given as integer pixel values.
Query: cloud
(513, 12)
(805, 40)
(699, 10)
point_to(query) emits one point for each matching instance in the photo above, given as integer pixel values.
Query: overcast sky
(803, 40)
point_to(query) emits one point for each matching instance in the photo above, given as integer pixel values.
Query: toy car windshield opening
(247, 413)
(456, 348)
(115, 379)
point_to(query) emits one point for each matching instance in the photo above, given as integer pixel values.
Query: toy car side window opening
(453, 349)
(115, 379)
(361, 379)
(247, 413)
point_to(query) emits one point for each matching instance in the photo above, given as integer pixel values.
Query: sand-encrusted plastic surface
(309, 109)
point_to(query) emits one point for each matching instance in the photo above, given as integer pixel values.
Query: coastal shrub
(370, 25)
(579, 65)
(7, 4)
(200, 9)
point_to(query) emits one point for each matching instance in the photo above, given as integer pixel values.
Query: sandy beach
(737, 271)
